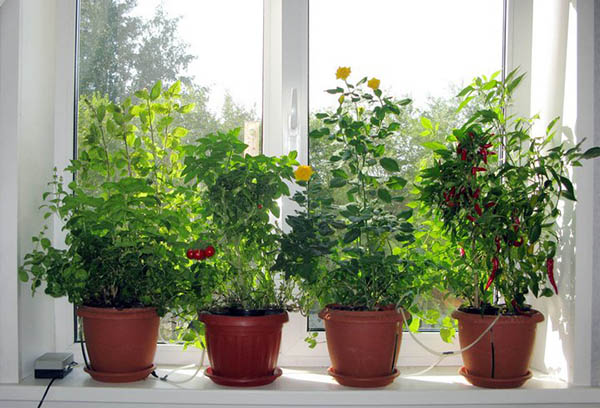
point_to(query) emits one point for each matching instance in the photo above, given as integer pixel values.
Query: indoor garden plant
(345, 244)
(126, 228)
(501, 212)
(241, 302)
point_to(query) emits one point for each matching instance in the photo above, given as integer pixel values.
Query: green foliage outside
(501, 212)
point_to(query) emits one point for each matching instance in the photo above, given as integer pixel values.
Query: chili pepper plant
(239, 242)
(500, 211)
(345, 241)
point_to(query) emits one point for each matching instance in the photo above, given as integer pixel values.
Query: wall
(596, 284)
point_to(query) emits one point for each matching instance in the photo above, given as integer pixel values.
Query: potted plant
(501, 213)
(125, 230)
(346, 244)
(240, 301)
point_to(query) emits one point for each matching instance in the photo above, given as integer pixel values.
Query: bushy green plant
(238, 192)
(348, 251)
(502, 213)
(125, 218)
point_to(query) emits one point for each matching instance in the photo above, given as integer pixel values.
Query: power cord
(442, 355)
(198, 368)
(73, 364)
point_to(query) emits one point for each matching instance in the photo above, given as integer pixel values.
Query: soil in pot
(121, 344)
(501, 358)
(243, 348)
(363, 345)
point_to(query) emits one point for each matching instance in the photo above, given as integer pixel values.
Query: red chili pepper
(471, 218)
(478, 209)
(491, 153)
(484, 153)
(445, 196)
(497, 244)
(518, 243)
(471, 135)
(474, 170)
(493, 274)
(452, 191)
(550, 271)
(517, 223)
(450, 204)
(458, 148)
(490, 204)
(259, 206)
(488, 145)
(463, 155)
(461, 251)
(476, 194)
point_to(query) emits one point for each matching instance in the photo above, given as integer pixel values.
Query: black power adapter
(53, 365)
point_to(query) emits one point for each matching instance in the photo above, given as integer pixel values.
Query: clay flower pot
(363, 345)
(501, 358)
(243, 350)
(120, 343)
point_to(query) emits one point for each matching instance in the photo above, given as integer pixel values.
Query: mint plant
(125, 217)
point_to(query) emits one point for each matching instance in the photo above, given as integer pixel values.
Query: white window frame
(285, 68)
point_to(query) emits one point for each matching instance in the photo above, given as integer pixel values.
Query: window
(49, 102)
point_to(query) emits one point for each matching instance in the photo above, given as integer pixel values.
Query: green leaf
(426, 123)
(155, 92)
(389, 164)
(591, 153)
(434, 146)
(45, 242)
(337, 182)
(351, 235)
(23, 276)
(384, 195)
(534, 233)
(570, 192)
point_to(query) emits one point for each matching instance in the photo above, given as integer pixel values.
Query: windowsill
(298, 387)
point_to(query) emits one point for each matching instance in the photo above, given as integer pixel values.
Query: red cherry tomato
(209, 251)
(196, 254)
(201, 254)
(259, 206)
(190, 254)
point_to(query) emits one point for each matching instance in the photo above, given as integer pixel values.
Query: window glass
(426, 50)
(215, 48)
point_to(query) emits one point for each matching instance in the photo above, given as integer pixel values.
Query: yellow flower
(303, 173)
(373, 83)
(343, 73)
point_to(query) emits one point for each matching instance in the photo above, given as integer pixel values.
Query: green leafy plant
(238, 192)
(125, 218)
(349, 250)
(501, 213)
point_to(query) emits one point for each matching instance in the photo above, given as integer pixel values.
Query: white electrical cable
(198, 368)
(444, 354)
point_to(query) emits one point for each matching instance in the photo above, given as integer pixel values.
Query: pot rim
(535, 317)
(114, 313)
(362, 316)
(243, 321)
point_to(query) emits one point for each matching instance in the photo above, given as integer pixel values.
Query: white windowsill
(298, 387)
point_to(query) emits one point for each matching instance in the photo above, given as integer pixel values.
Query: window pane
(426, 50)
(215, 48)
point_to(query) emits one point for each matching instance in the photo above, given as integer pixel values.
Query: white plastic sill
(298, 387)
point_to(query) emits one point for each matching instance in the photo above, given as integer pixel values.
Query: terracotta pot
(501, 358)
(120, 343)
(243, 350)
(363, 345)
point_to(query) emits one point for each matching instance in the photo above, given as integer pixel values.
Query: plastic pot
(363, 345)
(243, 350)
(501, 358)
(121, 344)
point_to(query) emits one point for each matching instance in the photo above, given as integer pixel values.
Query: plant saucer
(242, 382)
(487, 382)
(364, 382)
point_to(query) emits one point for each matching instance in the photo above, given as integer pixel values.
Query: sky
(415, 47)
